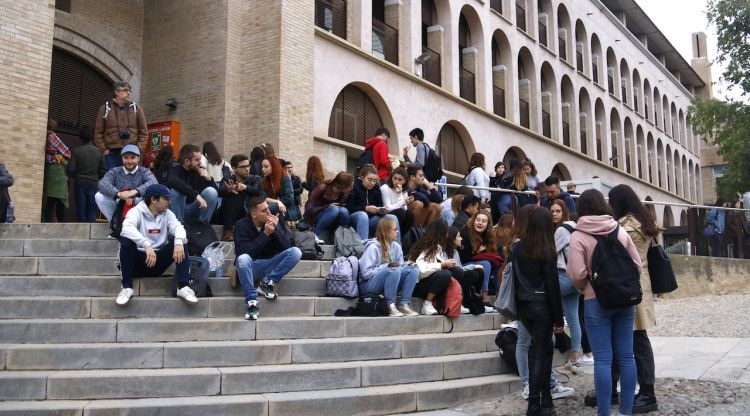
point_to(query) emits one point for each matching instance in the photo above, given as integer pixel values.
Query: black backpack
(614, 277)
(506, 340)
(199, 236)
(365, 158)
(433, 165)
(199, 271)
(411, 237)
(306, 242)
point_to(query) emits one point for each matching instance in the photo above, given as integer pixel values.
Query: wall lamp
(171, 103)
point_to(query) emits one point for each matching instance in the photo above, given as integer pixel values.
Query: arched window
(354, 117)
(561, 172)
(452, 150)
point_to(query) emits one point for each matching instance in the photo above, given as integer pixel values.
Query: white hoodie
(140, 226)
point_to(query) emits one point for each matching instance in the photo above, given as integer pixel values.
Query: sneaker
(585, 359)
(428, 309)
(112, 236)
(464, 310)
(574, 368)
(124, 297)
(560, 391)
(393, 310)
(488, 309)
(268, 290)
(406, 310)
(187, 294)
(590, 398)
(525, 391)
(252, 310)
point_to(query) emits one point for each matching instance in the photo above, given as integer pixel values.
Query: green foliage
(728, 123)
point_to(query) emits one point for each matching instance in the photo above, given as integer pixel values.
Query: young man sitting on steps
(151, 240)
(264, 253)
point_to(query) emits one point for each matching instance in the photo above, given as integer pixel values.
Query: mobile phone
(411, 193)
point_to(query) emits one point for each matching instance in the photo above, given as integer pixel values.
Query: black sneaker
(590, 399)
(268, 290)
(644, 403)
(252, 310)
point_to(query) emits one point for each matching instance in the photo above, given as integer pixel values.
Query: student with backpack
(435, 267)
(326, 205)
(376, 154)
(365, 203)
(426, 158)
(602, 252)
(382, 270)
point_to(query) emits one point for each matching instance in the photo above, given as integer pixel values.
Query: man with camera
(120, 122)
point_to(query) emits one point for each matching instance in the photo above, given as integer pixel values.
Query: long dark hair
(591, 202)
(522, 220)
(433, 237)
(164, 156)
(476, 160)
(624, 201)
(539, 237)
(449, 246)
(212, 154)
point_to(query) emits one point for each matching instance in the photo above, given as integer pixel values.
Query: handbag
(660, 270)
(709, 231)
(506, 296)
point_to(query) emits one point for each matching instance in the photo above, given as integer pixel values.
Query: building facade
(583, 88)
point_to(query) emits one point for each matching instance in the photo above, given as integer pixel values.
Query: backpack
(570, 229)
(199, 236)
(199, 270)
(449, 303)
(411, 237)
(370, 306)
(307, 242)
(121, 209)
(614, 277)
(433, 165)
(506, 340)
(347, 242)
(342, 277)
(365, 158)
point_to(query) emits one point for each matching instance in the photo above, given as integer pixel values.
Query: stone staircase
(67, 349)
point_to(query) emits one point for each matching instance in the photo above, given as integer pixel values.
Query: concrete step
(69, 231)
(231, 329)
(109, 286)
(105, 266)
(240, 353)
(378, 400)
(171, 382)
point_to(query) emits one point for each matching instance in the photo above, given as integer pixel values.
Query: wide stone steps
(231, 329)
(377, 400)
(240, 353)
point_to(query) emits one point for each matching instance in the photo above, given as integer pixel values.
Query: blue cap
(131, 148)
(156, 190)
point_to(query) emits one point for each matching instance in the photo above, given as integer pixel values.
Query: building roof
(639, 24)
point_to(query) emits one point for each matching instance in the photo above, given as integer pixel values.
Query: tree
(727, 123)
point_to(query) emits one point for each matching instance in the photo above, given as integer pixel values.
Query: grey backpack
(342, 278)
(347, 242)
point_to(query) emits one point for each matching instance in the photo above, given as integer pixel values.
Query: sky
(678, 19)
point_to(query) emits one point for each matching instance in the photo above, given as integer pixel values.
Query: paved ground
(702, 349)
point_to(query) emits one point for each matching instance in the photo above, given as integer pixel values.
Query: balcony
(520, 17)
(330, 15)
(546, 125)
(523, 107)
(543, 34)
(431, 68)
(497, 5)
(498, 101)
(384, 41)
(467, 85)
(562, 49)
(584, 144)
(579, 61)
(566, 133)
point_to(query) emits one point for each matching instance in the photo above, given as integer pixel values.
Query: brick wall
(25, 59)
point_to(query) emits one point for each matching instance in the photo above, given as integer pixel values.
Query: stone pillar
(26, 48)
(435, 42)
(394, 11)
(361, 18)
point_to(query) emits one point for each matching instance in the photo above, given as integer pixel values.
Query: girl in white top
(215, 165)
(477, 176)
(396, 199)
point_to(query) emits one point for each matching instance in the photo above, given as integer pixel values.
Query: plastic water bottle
(219, 270)
(10, 216)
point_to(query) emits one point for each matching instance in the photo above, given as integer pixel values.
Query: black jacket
(360, 197)
(297, 187)
(252, 183)
(460, 221)
(541, 282)
(188, 182)
(248, 240)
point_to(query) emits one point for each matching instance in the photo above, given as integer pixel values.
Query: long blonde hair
(381, 234)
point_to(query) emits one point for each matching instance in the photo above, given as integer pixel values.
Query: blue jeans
(366, 225)
(610, 333)
(332, 216)
(522, 355)
(505, 204)
(488, 271)
(85, 202)
(448, 216)
(113, 159)
(389, 281)
(269, 270)
(190, 212)
(570, 308)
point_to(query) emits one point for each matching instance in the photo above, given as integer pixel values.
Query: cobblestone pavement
(708, 389)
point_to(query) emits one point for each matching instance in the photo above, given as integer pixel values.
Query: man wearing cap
(123, 182)
(151, 240)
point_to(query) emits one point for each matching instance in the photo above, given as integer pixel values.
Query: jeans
(537, 318)
(610, 334)
(113, 159)
(522, 355)
(108, 205)
(331, 217)
(570, 308)
(366, 225)
(190, 212)
(269, 270)
(133, 263)
(488, 271)
(505, 205)
(389, 281)
(85, 201)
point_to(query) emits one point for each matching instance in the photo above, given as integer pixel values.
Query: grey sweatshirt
(562, 244)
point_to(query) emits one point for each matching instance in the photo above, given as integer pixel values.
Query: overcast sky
(678, 19)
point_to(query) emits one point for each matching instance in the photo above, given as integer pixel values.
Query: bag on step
(199, 271)
(347, 242)
(199, 236)
(449, 303)
(506, 340)
(307, 242)
(342, 278)
(216, 253)
(371, 306)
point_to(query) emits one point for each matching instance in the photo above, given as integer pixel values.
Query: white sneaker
(585, 359)
(561, 391)
(525, 391)
(406, 310)
(488, 309)
(187, 294)
(393, 310)
(574, 368)
(428, 309)
(124, 297)
(464, 310)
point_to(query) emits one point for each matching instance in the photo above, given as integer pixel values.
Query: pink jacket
(582, 249)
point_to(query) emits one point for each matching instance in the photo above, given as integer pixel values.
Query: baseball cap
(156, 190)
(131, 148)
